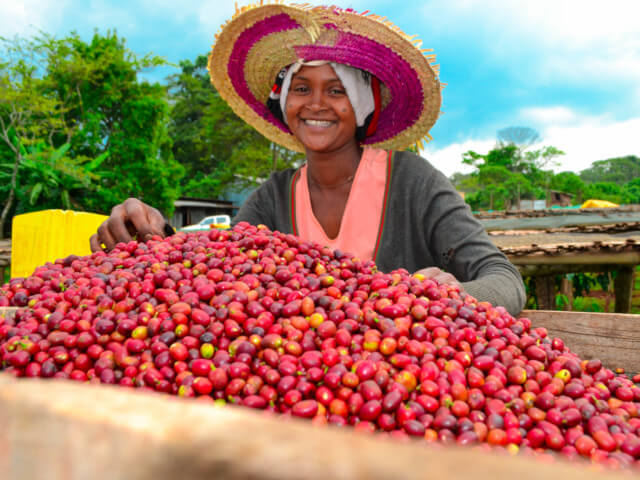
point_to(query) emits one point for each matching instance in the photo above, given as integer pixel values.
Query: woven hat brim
(258, 41)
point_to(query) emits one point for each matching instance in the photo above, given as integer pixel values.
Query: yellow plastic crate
(48, 235)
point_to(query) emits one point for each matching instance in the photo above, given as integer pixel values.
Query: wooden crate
(63, 430)
(614, 338)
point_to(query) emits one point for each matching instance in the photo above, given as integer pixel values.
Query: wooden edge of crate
(614, 338)
(57, 429)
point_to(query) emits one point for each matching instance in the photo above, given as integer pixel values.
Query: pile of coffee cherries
(264, 320)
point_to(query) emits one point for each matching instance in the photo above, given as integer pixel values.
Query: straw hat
(260, 40)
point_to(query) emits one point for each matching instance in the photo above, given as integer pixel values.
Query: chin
(316, 145)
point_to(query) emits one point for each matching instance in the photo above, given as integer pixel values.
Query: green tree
(48, 178)
(569, 182)
(119, 114)
(609, 191)
(217, 149)
(29, 113)
(86, 95)
(521, 137)
(631, 191)
(617, 170)
(507, 174)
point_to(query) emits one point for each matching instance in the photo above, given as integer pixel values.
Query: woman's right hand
(130, 219)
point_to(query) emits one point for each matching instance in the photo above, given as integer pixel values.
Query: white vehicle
(215, 221)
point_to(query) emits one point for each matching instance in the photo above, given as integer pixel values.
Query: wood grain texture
(614, 338)
(64, 430)
(623, 288)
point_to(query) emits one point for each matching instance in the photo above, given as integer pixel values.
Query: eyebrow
(301, 77)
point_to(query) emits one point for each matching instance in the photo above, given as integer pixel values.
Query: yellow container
(48, 235)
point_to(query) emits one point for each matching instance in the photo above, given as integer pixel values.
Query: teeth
(318, 123)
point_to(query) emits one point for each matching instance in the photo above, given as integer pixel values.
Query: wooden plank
(622, 258)
(614, 338)
(66, 430)
(541, 270)
(623, 288)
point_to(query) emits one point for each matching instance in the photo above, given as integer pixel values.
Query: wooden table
(544, 254)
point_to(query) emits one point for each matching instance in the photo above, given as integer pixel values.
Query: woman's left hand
(434, 273)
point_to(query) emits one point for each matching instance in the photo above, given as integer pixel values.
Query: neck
(327, 170)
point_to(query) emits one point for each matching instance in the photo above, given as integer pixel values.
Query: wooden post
(567, 290)
(546, 292)
(623, 288)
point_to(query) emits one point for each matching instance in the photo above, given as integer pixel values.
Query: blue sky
(568, 68)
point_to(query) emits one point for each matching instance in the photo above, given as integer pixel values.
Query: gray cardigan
(426, 223)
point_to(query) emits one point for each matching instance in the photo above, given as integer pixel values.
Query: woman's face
(318, 110)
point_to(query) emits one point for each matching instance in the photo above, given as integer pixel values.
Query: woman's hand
(130, 219)
(434, 273)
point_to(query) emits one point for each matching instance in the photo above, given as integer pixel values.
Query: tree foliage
(617, 170)
(507, 174)
(218, 149)
(569, 182)
(117, 113)
(68, 106)
(29, 112)
(521, 137)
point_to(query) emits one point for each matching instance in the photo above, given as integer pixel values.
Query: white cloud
(28, 16)
(584, 139)
(449, 159)
(548, 115)
(591, 139)
(546, 39)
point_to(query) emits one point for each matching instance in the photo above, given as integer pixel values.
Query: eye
(337, 91)
(300, 88)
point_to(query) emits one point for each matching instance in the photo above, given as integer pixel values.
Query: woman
(349, 91)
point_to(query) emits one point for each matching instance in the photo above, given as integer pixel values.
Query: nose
(316, 101)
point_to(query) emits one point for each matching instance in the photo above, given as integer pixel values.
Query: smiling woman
(351, 92)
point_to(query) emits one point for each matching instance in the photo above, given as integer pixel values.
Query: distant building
(191, 210)
(532, 205)
(559, 199)
(554, 199)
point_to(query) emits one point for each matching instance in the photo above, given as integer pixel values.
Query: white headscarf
(358, 87)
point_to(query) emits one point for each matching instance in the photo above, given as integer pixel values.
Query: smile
(318, 123)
